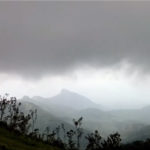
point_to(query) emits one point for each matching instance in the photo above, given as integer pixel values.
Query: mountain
(44, 118)
(140, 134)
(137, 115)
(95, 114)
(73, 100)
(68, 105)
(65, 104)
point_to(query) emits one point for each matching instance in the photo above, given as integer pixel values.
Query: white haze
(112, 88)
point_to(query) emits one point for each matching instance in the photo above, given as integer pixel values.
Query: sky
(98, 49)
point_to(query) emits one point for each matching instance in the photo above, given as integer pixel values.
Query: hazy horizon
(97, 49)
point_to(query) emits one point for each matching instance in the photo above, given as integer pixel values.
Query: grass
(11, 141)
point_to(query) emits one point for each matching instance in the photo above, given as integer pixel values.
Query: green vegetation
(10, 140)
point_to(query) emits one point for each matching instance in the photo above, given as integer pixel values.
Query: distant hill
(68, 99)
(140, 134)
(68, 105)
(44, 118)
(95, 114)
(138, 115)
(72, 100)
(65, 104)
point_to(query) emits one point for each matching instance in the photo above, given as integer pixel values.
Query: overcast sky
(98, 49)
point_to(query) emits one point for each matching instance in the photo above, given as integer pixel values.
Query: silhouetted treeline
(13, 119)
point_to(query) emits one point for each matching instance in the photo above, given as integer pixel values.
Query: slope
(12, 141)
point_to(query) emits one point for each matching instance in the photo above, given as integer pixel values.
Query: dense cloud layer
(56, 37)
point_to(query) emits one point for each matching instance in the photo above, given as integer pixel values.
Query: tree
(112, 142)
(71, 144)
(3, 105)
(64, 132)
(79, 131)
(14, 118)
(94, 141)
(33, 118)
(58, 132)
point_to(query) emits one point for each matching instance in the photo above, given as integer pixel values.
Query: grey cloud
(38, 38)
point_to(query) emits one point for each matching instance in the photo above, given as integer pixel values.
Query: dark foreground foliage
(12, 140)
(18, 132)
